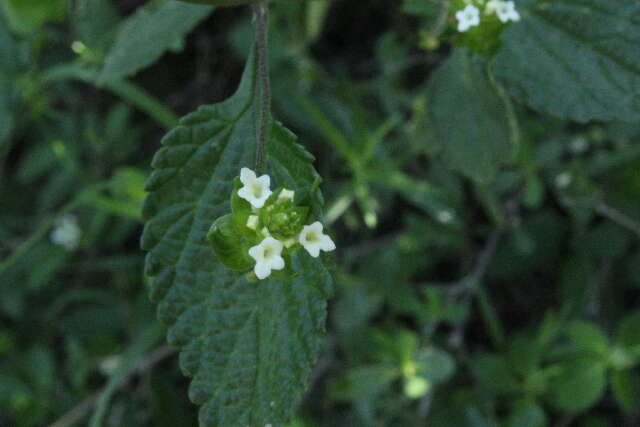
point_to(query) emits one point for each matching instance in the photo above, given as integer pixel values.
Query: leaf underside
(249, 345)
(575, 59)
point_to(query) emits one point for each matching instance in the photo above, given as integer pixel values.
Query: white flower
(445, 216)
(313, 240)
(579, 145)
(506, 10)
(256, 190)
(467, 18)
(563, 180)
(252, 222)
(491, 6)
(268, 257)
(67, 232)
(286, 195)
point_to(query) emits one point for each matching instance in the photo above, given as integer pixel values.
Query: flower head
(313, 240)
(467, 18)
(268, 257)
(286, 195)
(252, 222)
(256, 189)
(67, 232)
(506, 10)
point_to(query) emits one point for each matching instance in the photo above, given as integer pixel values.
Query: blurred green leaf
(434, 364)
(588, 338)
(493, 373)
(363, 382)
(474, 134)
(579, 385)
(628, 333)
(527, 413)
(94, 22)
(148, 34)
(625, 385)
(26, 16)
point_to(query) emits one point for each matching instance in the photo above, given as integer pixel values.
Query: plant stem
(618, 217)
(261, 11)
(78, 412)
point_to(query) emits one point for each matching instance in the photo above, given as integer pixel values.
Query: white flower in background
(506, 10)
(252, 222)
(256, 189)
(467, 18)
(286, 195)
(268, 257)
(579, 145)
(313, 240)
(445, 216)
(67, 232)
(563, 180)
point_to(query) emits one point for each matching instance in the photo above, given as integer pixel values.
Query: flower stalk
(261, 13)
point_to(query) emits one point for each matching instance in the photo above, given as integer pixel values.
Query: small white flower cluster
(268, 253)
(67, 232)
(470, 15)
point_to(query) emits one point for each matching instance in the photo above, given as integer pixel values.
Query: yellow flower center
(257, 190)
(268, 252)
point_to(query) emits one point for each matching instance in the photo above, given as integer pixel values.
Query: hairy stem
(261, 12)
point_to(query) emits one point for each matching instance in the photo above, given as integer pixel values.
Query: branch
(470, 283)
(618, 217)
(84, 407)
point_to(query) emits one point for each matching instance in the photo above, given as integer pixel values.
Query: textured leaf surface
(148, 34)
(575, 59)
(249, 345)
(468, 117)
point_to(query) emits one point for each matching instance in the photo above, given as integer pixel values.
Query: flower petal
(262, 270)
(277, 263)
(326, 244)
(256, 252)
(247, 176)
(313, 249)
(264, 181)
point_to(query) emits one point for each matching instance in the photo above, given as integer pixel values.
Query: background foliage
(482, 190)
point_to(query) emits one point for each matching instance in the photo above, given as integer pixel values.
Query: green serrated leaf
(149, 33)
(468, 117)
(249, 345)
(575, 59)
